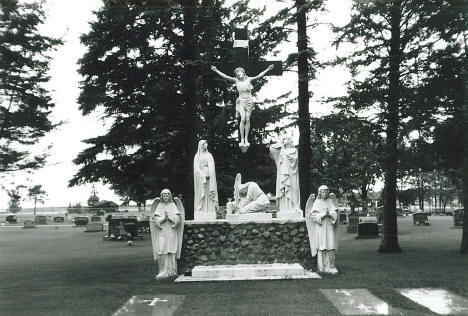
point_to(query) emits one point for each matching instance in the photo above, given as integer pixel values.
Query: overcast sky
(68, 20)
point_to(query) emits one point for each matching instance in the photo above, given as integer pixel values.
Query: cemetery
(64, 271)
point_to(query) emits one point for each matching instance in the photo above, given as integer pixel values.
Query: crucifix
(241, 66)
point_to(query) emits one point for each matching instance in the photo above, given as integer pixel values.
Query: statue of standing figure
(167, 228)
(204, 174)
(244, 103)
(322, 226)
(288, 194)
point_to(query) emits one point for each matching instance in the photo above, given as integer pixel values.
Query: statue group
(321, 213)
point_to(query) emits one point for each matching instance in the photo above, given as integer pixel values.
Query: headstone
(29, 224)
(121, 226)
(358, 302)
(40, 219)
(368, 230)
(420, 219)
(94, 227)
(150, 305)
(80, 221)
(439, 301)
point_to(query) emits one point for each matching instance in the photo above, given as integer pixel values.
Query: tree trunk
(189, 108)
(364, 198)
(303, 101)
(389, 242)
(464, 243)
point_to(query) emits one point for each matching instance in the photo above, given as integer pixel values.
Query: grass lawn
(48, 271)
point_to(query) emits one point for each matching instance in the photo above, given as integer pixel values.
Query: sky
(68, 20)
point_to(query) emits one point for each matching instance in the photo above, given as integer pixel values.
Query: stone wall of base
(235, 242)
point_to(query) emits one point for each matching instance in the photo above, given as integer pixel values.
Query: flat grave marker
(358, 302)
(150, 305)
(440, 301)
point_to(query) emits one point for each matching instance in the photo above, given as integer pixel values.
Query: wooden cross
(241, 59)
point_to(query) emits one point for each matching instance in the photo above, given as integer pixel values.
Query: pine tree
(25, 104)
(147, 66)
(393, 41)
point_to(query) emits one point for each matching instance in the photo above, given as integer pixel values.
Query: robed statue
(167, 229)
(321, 215)
(204, 175)
(285, 155)
(248, 198)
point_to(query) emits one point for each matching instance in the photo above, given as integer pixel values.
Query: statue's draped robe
(206, 190)
(323, 234)
(254, 201)
(244, 103)
(287, 178)
(165, 238)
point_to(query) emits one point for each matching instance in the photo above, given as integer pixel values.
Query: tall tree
(303, 101)
(37, 194)
(25, 104)
(393, 41)
(147, 65)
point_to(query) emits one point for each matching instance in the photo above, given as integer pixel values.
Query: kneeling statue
(249, 198)
(167, 228)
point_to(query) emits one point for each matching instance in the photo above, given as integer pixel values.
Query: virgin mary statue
(204, 174)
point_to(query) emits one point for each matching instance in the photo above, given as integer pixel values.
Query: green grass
(47, 271)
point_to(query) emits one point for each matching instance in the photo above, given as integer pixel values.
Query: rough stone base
(262, 241)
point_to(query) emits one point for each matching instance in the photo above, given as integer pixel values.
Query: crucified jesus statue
(244, 103)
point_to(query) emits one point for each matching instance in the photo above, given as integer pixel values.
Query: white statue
(287, 177)
(244, 103)
(322, 226)
(204, 174)
(167, 229)
(248, 198)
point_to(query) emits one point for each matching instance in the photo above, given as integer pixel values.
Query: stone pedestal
(202, 216)
(292, 214)
(248, 216)
(249, 272)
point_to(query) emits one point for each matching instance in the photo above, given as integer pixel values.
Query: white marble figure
(288, 194)
(167, 229)
(204, 174)
(244, 103)
(322, 226)
(248, 198)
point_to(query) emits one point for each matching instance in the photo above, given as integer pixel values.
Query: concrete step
(248, 272)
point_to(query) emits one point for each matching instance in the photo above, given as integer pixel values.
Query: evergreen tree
(147, 66)
(393, 41)
(24, 103)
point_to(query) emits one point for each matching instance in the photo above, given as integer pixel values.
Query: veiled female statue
(204, 174)
(167, 229)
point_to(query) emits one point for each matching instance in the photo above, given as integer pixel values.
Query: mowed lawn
(64, 271)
